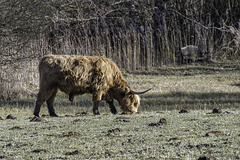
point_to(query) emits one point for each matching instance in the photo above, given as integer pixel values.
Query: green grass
(192, 86)
(199, 88)
(134, 139)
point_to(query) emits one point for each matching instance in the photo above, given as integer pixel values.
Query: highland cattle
(76, 75)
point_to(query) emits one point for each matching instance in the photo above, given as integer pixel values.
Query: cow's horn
(134, 92)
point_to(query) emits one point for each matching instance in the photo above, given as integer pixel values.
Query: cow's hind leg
(112, 107)
(50, 104)
(39, 102)
(43, 96)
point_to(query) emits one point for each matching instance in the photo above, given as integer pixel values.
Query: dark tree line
(137, 35)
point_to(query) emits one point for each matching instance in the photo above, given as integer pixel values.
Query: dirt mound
(44, 115)
(40, 150)
(115, 130)
(215, 134)
(16, 128)
(217, 110)
(175, 138)
(73, 153)
(72, 134)
(161, 122)
(10, 116)
(200, 146)
(78, 121)
(184, 111)
(155, 124)
(127, 113)
(81, 114)
(69, 115)
(229, 112)
(3, 157)
(123, 119)
(37, 119)
(206, 158)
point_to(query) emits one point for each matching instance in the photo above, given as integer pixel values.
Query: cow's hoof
(70, 99)
(113, 111)
(53, 115)
(96, 113)
(36, 114)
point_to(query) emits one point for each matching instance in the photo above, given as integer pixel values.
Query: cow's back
(77, 74)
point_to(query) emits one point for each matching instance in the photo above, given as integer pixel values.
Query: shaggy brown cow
(77, 74)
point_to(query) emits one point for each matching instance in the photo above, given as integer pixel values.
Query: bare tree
(137, 35)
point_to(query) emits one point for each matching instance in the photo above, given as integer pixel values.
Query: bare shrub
(16, 83)
(236, 32)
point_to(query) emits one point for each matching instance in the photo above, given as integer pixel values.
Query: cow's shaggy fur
(76, 75)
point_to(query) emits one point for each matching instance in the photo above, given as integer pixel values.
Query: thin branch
(223, 29)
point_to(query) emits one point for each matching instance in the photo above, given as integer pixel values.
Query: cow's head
(131, 101)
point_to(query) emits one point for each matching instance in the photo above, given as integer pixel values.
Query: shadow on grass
(180, 100)
(193, 69)
(236, 84)
(150, 102)
(61, 100)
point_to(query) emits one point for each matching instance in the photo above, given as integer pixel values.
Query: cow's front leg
(96, 99)
(71, 96)
(112, 107)
(95, 108)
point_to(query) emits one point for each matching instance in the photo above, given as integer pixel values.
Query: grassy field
(78, 134)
